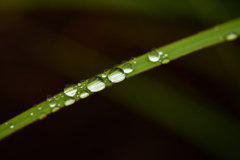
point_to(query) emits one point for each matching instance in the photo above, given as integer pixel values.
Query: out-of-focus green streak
(184, 8)
(194, 119)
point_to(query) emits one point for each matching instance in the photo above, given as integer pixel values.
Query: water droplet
(6, 123)
(52, 103)
(55, 109)
(127, 68)
(165, 61)
(69, 101)
(165, 55)
(49, 97)
(96, 84)
(231, 36)
(116, 75)
(84, 94)
(56, 97)
(39, 108)
(42, 116)
(79, 84)
(70, 90)
(104, 75)
(134, 60)
(154, 56)
(31, 113)
(11, 126)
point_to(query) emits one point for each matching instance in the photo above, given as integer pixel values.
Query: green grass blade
(140, 64)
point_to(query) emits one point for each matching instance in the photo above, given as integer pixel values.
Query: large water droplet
(69, 101)
(84, 94)
(116, 75)
(231, 36)
(154, 56)
(70, 90)
(95, 84)
(52, 103)
(127, 68)
(11, 126)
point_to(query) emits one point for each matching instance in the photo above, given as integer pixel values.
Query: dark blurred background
(188, 109)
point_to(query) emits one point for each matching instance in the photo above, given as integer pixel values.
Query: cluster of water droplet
(72, 93)
(158, 56)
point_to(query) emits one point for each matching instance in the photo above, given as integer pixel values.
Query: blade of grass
(140, 64)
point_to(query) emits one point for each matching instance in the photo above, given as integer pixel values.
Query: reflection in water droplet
(70, 90)
(116, 75)
(55, 109)
(154, 56)
(31, 113)
(231, 36)
(52, 103)
(84, 94)
(165, 61)
(11, 126)
(69, 101)
(39, 108)
(42, 116)
(127, 68)
(104, 75)
(95, 84)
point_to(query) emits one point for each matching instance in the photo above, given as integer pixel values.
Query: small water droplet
(127, 68)
(55, 109)
(56, 97)
(69, 101)
(104, 75)
(42, 116)
(6, 123)
(52, 103)
(116, 75)
(39, 108)
(134, 60)
(84, 94)
(11, 126)
(79, 84)
(31, 114)
(70, 90)
(49, 97)
(231, 36)
(95, 84)
(154, 56)
(165, 61)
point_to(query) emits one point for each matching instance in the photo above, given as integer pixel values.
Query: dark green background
(45, 45)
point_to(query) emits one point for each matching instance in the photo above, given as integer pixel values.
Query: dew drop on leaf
(231, 36)
(116, 75)
(95, 84)
(127, 68)
(70, 90)
(69, 101)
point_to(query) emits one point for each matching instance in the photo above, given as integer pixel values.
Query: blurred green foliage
(196, 98)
